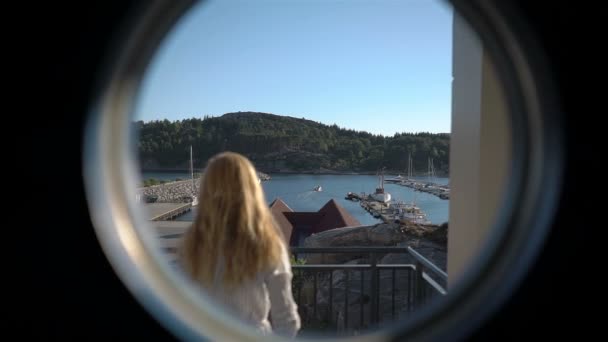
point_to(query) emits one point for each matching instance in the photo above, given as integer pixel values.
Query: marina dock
(441, 191)
(390, 211)
(165, 211)
(382, 211)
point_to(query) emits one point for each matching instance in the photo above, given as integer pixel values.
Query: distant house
(296, 226)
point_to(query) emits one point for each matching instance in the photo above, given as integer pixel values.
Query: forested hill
(281, 143)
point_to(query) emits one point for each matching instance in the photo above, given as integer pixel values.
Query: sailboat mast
(428, 171)
(409, 166)
(414, 183)
(432, 171)
(192, 171)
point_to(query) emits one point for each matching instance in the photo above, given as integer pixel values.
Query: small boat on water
(352, 196)
(317, 188)
(416, 218)
(410, 213)
(397, 179)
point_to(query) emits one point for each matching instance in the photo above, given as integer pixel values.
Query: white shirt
(252, 301)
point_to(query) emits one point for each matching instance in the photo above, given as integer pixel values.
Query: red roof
(294, 224)
(335, 217)
(278, 208)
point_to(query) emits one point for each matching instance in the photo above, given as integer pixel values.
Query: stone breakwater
(172, 192)
(176, 192)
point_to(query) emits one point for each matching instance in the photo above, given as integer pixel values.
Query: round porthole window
(407, 153)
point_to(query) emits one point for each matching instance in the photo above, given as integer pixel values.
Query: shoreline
(306, 172)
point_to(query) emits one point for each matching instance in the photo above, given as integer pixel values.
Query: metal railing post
(374, 289)
(418, 285)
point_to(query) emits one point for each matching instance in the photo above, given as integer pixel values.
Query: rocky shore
(176, 192)
(171, 192)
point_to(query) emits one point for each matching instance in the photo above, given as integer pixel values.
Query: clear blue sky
(382, 66)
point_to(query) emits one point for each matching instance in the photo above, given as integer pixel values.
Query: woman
(235, 250)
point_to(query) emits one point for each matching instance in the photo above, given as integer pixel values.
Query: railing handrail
(388, 249)
(311, 250)
(351, 266)
(434, 284)
(427, 264)
(417, 287)
(171, 212)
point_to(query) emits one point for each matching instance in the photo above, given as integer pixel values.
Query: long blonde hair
(233, 222)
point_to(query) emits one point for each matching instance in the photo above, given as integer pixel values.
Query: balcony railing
(359, 296)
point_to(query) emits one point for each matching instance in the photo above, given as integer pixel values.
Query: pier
(383, 211)
(166, 211)
(441, 191)
(395, 212)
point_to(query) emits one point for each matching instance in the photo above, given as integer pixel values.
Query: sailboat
(410, 163)
(194, 192)
(411, 212)
(431, 174)
(400, 179)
